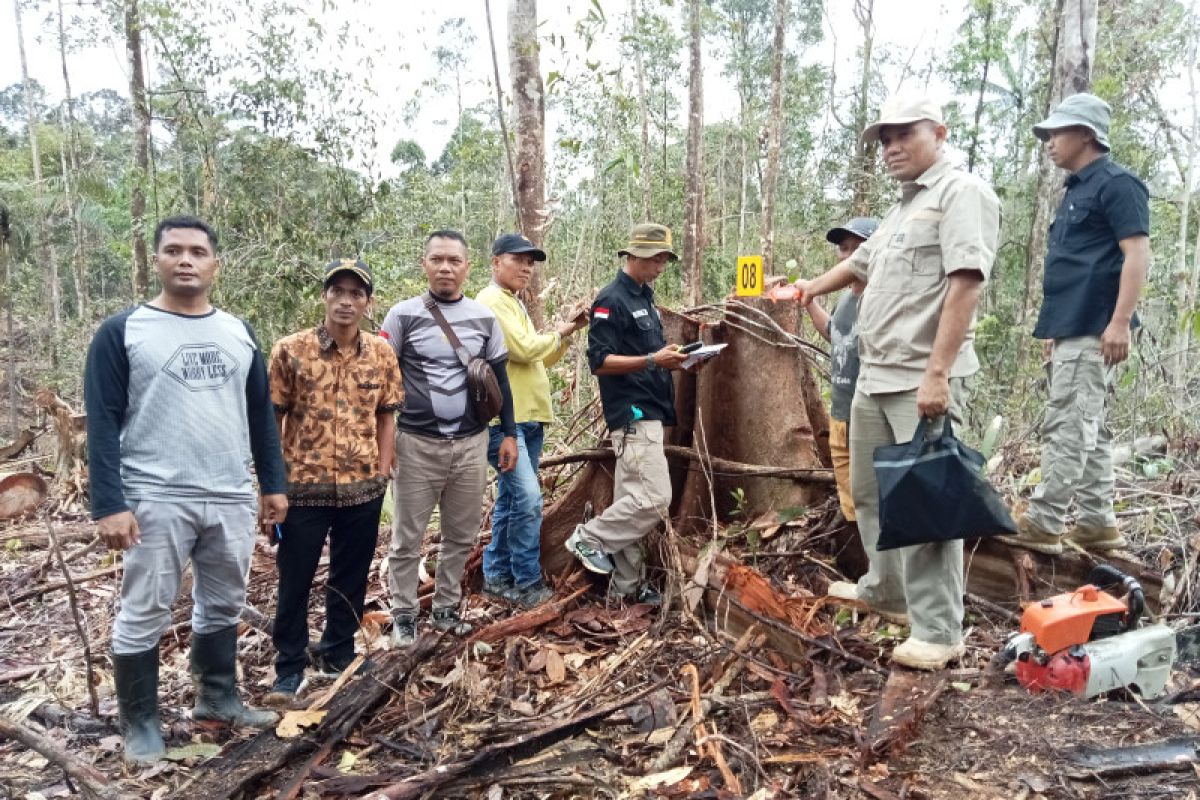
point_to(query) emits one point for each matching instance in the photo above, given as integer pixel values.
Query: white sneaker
(845, 590)
(917, 654)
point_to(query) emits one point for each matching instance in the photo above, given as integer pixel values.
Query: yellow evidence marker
(749, 276)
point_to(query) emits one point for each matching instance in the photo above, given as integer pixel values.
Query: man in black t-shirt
(1096, 263)
(632, 360)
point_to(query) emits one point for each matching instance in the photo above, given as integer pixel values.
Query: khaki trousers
(450, 474)
(641, 500)
(1076, 441)
(926, 580)
(839, 453)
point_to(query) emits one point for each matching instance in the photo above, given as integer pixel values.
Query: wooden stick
(90, 780)
(717, 466)
(76, 617)
(790, 631)
(75, 581)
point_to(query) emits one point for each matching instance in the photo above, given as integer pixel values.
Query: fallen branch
(519, 747)
(63, 584)
(808, 640)
(76, 617)
(714, 465)
(527, 621)
(905, 699)
(89, 779)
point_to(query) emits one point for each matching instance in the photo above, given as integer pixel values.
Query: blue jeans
(515, 550)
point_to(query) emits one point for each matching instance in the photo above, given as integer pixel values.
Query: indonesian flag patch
(600, 313)
(384, 335)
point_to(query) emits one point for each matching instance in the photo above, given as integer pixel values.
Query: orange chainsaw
(1089, 642)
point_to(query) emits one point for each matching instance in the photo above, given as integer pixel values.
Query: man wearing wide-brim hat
(633, 362)
(1097, 255)
(924, 267)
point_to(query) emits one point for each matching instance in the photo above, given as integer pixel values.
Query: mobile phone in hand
(691, 347)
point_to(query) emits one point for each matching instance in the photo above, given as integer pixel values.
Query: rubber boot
(214, 672)
(136, 679)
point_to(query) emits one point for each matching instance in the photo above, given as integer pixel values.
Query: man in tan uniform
(924, 269)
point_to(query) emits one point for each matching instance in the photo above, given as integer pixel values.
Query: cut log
(591, 489)
(21, 493)
(239, 771)
(906, 698)
(18, 445)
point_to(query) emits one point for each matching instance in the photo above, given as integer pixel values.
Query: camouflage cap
(648, 240)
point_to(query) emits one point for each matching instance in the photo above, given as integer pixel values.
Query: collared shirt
(329, 398)
(529, 353)
(1103, 204)
(625, 322)
(946, 221)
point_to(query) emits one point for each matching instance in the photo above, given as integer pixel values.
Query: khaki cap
(648, 240)
(1079, 110)
(901, 110)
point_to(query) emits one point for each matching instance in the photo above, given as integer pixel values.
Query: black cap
(516, 243)
(862, 227)
(355, 267)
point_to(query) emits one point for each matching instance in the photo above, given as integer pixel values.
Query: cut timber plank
(1171, 754)
(906, 697)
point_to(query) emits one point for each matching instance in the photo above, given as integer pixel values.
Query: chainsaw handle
(1107, 577)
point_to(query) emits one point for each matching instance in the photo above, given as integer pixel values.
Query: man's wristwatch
(650, 361)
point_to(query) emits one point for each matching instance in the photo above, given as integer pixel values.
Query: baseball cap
(862, 227)
(648, 240)
(902, 110)
(516, 243)
(355, 267)
(1081, 109)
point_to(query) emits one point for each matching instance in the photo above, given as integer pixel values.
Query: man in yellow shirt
(512, 561)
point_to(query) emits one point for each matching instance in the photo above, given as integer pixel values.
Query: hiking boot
(502, 589)
(448, 620)
(642, 595)
(845, 590)
(1032, 537)
(333, 668)
(532, 595)
(591, 558)
(136, 679)
(214, 671)
(404, 628)
(917, 654)
(1100, 538)
(284, 689)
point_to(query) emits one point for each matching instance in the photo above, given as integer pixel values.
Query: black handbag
(483, 389)
(932, 490)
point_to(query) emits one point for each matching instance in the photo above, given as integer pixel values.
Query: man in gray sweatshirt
(177, 407)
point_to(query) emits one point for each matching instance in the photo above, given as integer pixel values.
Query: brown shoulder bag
(483, 389)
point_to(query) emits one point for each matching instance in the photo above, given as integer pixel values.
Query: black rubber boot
(214, 672)
(136, 679)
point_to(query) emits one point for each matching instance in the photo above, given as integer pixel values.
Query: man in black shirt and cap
(633, 362)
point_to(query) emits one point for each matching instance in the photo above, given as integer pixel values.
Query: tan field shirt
(947, 220)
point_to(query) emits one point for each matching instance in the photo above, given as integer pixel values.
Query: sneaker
(448, 620)
(591, 558)
(917, 654)
(327, 666)
(498, 590)
(532, 595)
(284, 689)
(404, 628)
(1100, 538)
(1032, 537)
(845, 590)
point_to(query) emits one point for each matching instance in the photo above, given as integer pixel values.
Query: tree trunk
(141, 149)
(774, 137)
(44, 247)
(70, 168)
(524, 64)
(1074, 52)
(1185, 297)
(693, 232)
(643, 112)
(973, 151)
(862, 165)
(6, 264)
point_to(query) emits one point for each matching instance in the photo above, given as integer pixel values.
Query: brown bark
(6, 263)
(141, 149)
(774, 137)
(1074, 51)
(529, 101)
(70, 169)
(693, 231)
(906, 697)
